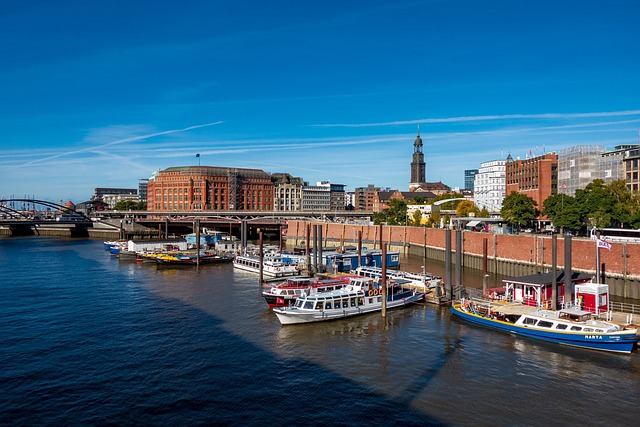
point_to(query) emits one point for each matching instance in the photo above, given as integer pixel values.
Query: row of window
(560, 326)
(330, 304)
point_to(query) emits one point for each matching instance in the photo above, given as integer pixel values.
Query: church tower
(418, 167)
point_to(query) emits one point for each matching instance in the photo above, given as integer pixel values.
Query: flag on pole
(604, 244)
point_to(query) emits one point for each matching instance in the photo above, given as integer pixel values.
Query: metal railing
(624, 307)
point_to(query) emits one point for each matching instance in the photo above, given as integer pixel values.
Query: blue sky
(101, 94)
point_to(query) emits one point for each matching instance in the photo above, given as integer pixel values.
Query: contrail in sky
(122, 141)
(483, 118)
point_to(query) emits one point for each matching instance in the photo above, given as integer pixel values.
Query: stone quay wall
(509, 255)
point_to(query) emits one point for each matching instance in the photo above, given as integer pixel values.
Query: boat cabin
(574, 315)
(537, 289)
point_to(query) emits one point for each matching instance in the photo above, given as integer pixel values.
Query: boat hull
(293, 315)
(193, 261)
(618, 342)
(278, 300)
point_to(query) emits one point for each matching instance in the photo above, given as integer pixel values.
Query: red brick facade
(534, 249)
(207, 188)
(536, 177)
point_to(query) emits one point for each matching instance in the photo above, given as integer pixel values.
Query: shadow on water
(103, 349)
(85, 339)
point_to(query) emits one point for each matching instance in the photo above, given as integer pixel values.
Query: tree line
(598, 205)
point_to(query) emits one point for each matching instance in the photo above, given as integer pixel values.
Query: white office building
(489, 186)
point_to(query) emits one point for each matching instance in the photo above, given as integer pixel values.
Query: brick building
(365, 196)
(209, 188)
(536, 177)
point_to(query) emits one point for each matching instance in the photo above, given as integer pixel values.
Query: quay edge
(507, 255)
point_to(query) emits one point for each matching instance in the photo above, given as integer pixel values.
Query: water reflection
(418, 356)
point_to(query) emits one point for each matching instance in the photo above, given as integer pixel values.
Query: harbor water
(86, 339)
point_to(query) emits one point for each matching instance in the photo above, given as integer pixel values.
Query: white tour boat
(272, 266)
(362, 295)
(421, 281)
(286, 292)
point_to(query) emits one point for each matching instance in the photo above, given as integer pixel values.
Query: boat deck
(509, 308)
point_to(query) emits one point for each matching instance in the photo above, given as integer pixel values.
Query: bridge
(41, 215)
(234, 222)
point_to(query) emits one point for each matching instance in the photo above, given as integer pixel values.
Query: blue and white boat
(362, 295)
(572, 327)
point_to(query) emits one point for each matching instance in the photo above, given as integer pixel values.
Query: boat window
(360, 301)
(576, 328)
(299, 303)
(379, 299)
(320, 305)
(328, 305)
(599, 330)
(370, 300)
(353, 302)
(561, 326)
(298, 291)
(545, 324)
(338, 304)
(308, 305)
(290, 292)
(588, 329)
(529, 321)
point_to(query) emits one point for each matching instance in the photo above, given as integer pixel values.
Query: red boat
(285, 292)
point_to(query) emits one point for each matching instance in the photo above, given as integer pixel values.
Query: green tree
(518, 209)
(596, 203)
(563, 211)
(127, 205)
(379, 217)
(626, 206)
(419, 201)
(395, 214)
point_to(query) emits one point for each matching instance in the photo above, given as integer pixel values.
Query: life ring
(371, 293)
(277, 268)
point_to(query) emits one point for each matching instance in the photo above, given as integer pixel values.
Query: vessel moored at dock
(272, 266)
(285, 293)
(572, 327)
(362, 295)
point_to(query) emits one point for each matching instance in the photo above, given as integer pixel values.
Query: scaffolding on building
(232, 175)
(580, 165)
